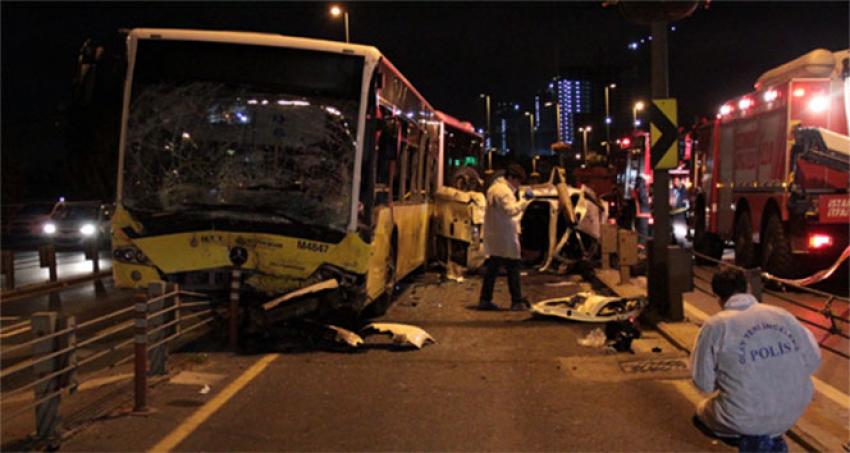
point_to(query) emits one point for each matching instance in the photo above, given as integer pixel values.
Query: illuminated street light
(610, 86)
(530, 129)
(486, 98)
(584, 131)
(336, 11)
(639, 106)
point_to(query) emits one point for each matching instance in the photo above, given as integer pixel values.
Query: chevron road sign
(663, 134)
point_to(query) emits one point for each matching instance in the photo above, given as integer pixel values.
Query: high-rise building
(574, 98)
(577, 99)
(510, 129)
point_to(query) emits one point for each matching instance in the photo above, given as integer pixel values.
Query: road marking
(192, 423)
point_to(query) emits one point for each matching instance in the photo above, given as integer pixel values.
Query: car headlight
(49, 228)
(87, 229)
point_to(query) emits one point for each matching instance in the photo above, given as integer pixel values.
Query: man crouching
(758, 360)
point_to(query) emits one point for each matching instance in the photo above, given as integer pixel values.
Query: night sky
(450, 51)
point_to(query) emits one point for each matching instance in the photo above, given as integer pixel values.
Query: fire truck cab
(771, 171)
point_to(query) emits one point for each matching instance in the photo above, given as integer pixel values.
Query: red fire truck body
(772, 170)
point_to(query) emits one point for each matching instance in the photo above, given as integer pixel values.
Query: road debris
(402, 334)
(205, 389)
(620, 334)
(595, 339)
(345, 336)
(590, 307)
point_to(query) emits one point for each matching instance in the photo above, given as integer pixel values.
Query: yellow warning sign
(663, 134)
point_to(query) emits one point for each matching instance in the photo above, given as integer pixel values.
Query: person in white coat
(501, 237)
(757, 362)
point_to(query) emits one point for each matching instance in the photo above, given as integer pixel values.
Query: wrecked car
(590, 307)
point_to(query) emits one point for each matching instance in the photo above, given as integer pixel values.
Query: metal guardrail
(623, 242)
(825, 311)
(158, 320)
(47, 259)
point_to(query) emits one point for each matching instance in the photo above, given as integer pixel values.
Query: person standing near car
(501, 236)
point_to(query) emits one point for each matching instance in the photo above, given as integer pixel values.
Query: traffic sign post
(663, 156)
(663, 134)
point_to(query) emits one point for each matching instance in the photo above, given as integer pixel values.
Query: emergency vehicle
(771, 171)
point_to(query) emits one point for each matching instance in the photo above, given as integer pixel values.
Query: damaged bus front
(242, 149)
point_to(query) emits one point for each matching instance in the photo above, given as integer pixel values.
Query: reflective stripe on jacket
(760, 360)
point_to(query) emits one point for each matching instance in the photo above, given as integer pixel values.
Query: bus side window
(386, 173)
(425, 166)
(410, 161)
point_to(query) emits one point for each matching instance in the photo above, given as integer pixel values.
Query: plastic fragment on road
(205, 389)
(595, 339)
(402, 334)
(314, 288)
(590, 307)
(345, 336)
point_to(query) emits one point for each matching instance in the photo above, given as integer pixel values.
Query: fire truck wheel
(744, 248)
(776, 250)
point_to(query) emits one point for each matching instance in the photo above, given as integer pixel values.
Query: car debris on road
(590, 307)
(402, 334)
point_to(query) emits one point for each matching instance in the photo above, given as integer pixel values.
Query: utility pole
(658, 15)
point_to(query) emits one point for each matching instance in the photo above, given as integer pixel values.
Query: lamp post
(531, 130)
(608, 119)
(637, 108)
(584, 131)
(336, 11)
(486, 98)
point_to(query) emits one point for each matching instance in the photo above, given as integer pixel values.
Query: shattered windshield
(243, 132)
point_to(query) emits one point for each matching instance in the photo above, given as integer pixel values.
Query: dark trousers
(494, 263)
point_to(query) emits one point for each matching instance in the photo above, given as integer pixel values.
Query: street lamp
(608, 119)
(584, 131)
(637, 108)
(531, 129)
(336, 11)
(486, 98)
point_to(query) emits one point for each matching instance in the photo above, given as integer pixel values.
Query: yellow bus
(297, 160)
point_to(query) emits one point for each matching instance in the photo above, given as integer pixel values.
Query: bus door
(410, 209)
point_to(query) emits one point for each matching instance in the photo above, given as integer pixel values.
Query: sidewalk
(824, 425)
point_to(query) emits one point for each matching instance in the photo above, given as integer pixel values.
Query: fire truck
(771, 170)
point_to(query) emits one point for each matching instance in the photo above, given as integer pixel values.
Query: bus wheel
(744, 248)
(776, 249)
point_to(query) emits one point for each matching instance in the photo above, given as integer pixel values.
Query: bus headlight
(87, 229)
(49, 228)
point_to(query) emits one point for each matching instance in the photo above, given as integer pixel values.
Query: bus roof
(465, 126)
(260, 39)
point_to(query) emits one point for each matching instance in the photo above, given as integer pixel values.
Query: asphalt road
(493, 381)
